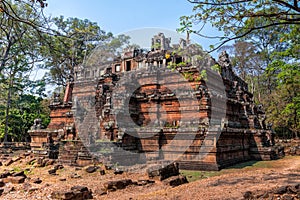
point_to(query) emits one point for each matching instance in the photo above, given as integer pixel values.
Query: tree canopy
(265, 50)
(238, 18)
(29, 41)
(72, 39)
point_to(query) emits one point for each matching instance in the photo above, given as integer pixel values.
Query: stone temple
(173, 103)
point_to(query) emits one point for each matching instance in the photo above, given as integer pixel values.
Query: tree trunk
(7, 111)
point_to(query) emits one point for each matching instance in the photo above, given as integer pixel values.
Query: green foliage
(284, 107)
(197, 175)
(216, 68)
(17, 169)
(23, 112)
(156, 46)
(116, 44)
(188, 76)
(268, 60)
(19, 54)
(202, 75)
(69, 44)
(239, 18)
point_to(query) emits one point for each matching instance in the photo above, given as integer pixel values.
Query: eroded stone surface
(115, 185)
(175, 180)
(244, 134)
(291, 192)
(75, 193)
(160, 172)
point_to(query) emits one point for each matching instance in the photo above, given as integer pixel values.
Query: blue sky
(121, 16)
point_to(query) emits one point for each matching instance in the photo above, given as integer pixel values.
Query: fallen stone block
(82, 192)
(21, 173)
(144, 182)
(31, 161)
(118, 171)
(8, 162)
(37, 181)
(52, 171)
(91, 169)
(280, 190)
(63, 195)
(16, 159)
(160, 172)
(45, 161)
(294, 189)
(175, 180)
(2, 183)
(78, 168)
(102, 172)
(57, 167)
(16, 180)
(102, 191)
(108, 167)
(74, 175)
(33, 189)
(50, 162)
(119, 184)
(39, 162)
(5, 174)
(26, 154)
(76, 193)
(248, 195)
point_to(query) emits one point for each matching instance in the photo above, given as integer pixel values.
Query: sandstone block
(37, 180)
(119, 184)
(160, 173)
(2, 183)
(17, 179)
(8, 162)
(91, 169)
(175, 180)
(5, 174)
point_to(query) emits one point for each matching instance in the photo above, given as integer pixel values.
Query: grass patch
(28, 172)
(197, 175)
(264, 164)
(17, 169)
(254, 165)
(243, 165)
(249, 165)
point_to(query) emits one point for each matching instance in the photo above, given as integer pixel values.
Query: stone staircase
(74, 153)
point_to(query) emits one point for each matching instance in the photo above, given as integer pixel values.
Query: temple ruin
(91, 99)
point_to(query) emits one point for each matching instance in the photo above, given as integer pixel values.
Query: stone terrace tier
(158, 106)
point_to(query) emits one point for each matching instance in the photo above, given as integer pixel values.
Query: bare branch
(293, 7)
(218, 4)
(247, 32)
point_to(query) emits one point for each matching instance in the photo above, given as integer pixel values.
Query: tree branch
(218, 4)
(249, 31)
(293, 7)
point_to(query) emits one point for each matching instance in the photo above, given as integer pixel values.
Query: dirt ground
(229, 183)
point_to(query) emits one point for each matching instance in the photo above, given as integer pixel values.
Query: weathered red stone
(242, 134)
